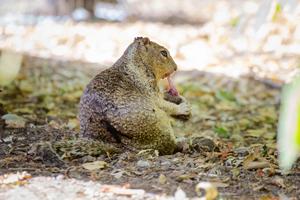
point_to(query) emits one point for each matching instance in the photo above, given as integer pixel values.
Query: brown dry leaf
(269, 197)
(220, 184)
(235, 172)
(95, 165)
(73, 123)
(257, 187)
(255, 132)
(250, 158)
(256, 165)
(184, 177)
(279, 181)
(162, 179)
(252, 161)
(269, 135)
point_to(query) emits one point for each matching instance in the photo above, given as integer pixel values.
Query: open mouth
(171, 87)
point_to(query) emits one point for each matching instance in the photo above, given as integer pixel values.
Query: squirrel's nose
(175, 67)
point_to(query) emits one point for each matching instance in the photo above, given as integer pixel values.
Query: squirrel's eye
(164, 53)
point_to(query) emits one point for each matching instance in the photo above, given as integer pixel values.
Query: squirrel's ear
(143, 40)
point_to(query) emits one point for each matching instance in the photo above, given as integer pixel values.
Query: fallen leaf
(255, 132)
(162, 179)
(256, 165)
(278, 181)
(73, 123)
(95, 165)
(184, 177)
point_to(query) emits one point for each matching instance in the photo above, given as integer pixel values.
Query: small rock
(201, 144)
(215, 171)
(87, 158)
(278, 181)
(46, 153)
(241, 151)
(232, 161)
(143, 164)
(182, 145)
(117, 174)
(166, 163)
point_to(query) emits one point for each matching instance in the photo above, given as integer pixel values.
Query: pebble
(143, 164)
(241, 151)
(201, 144)
(166, 163)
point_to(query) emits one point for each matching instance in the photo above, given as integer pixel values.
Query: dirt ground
(232, 136)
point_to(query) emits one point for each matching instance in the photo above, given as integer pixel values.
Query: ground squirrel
(123, 104)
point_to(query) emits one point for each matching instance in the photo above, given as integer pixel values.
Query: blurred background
(235, 37)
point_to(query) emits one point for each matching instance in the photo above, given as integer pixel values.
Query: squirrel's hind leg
(166, 142)
(100, 129)
(162, 135)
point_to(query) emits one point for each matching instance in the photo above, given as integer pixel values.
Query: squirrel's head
(154, 56)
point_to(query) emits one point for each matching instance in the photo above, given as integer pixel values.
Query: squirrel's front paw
(171, 98)
(184, 108)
